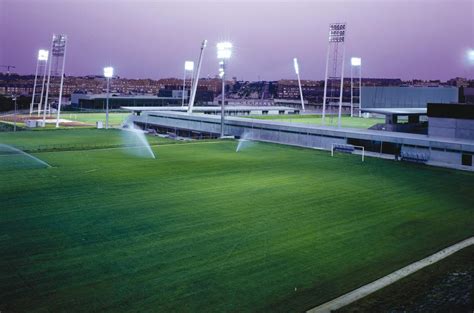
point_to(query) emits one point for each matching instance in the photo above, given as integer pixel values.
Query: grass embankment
(72, 139)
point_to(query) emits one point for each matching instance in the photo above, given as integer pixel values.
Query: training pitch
(203, 228)
(315, 119)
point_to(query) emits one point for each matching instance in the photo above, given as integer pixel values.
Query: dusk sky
(426, 39)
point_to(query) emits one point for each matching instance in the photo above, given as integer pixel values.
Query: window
(467, 159)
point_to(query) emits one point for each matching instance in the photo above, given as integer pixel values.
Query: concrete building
(98, 101)
(216, 110)
(455, 121)
(433, 150)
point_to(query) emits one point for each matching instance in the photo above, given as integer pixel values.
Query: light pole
(224, 51)
(355, 63)
(297, 71)
(14, 120)
(188, 67)
(108, 74)
(195, 80)
(42, 59)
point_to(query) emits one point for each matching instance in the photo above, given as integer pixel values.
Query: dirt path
(389, 279)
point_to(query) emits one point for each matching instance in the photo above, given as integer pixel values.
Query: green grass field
(331, 120)
(115, 119)
(73, 139)
(203, 228)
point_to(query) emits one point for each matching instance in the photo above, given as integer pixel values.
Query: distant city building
(83, 101)
(388, 92)
(458, 82)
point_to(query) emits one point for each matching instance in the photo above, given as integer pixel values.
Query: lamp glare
(224, 50)
(189, 65)
(43, 55)
(356, 61)
(108, 72)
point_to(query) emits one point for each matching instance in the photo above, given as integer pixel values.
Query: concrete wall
(436, 155)
(446, 157)
(438, 150)
(451, 128)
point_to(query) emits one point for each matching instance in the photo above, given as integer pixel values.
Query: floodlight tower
(334, 77)
(356, 90)
(188, 67)
(56, 66)
(297, 71)
(224, 52)
(41, 66)
(108, 74)
(196, 79)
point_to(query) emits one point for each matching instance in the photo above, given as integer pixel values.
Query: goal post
(346, 148)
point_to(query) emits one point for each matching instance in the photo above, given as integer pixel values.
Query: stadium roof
(210, 108)
(397, 111)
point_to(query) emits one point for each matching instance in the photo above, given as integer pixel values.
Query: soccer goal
(345, 148)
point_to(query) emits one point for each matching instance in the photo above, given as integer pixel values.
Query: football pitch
(115, 119)
(203, 228)
(331, 120)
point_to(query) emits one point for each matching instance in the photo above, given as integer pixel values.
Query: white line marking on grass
(390, 279)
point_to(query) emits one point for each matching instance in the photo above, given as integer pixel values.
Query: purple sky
(406, 39)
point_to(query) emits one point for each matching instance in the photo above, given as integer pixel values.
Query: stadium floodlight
(188, 67)
(57, 64)
(356, 61)
(41, 66)
(470, 56)
(334, 77)
(224, 52)
(295, 64)
(297, 71)
(108, 73)
(43, 55)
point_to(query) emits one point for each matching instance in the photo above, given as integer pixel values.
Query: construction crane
(8, 67)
